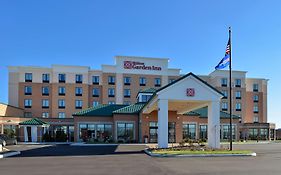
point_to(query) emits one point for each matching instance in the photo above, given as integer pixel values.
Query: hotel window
(95, 103)
(125, 132)
(45, 103)
(28, 77)
(226, 131)
(62, 90)
(111, 80)
(78, 91)
(61, 104)
(96, 79)
(127, 103)
(61, 78)
(203, 130)
(153, 132)
(157, 82)
(225, 94)
(256, 108)
(171, 132)
(263, 134)
(224, 82)
(237, 82)
(238, 94)
(253, 133)
(127, 80)
(238, 106)
(27, 90)
(96, 92)
(255, 87)
(111, 102)
(127, 93)
(104, 132)
(61, 115)
(79, 78)
(27, 103)
(27, 114)
(145, 98)
(171, 80)
(45, 91)
(111, 92)
(45, 78)
(256, 119)
(78, 104)
(189, 131)
(142, 81)
(224, 106)
(256, 98)
(45, 114)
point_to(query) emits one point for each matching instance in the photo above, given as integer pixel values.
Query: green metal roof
(148, 90)
(100, 110)
(34, 121)
(132, 109)
(203, 112)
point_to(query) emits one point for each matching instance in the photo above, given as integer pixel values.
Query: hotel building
(116, 102)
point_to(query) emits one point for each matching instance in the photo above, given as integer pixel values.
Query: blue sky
(193, 34)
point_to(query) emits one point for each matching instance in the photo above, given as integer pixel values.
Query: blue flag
(226, 59)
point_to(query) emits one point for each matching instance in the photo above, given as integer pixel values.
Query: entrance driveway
(64, 159)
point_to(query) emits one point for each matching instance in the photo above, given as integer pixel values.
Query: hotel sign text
(139, 65)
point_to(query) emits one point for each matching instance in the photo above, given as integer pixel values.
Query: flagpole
(230, 91)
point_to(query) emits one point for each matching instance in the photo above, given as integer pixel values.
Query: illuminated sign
(139, 65)
(190, 92)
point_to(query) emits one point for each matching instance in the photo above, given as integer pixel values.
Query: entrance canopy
(33, 123)
(186, 94)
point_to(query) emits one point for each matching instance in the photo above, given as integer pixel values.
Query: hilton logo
(139, 65)
(190, 92)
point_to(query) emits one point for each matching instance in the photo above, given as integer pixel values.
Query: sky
(192, 33)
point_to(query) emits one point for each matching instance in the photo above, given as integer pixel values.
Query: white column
(163, 123)
(214, 124)
(25, 134)
(34, 133)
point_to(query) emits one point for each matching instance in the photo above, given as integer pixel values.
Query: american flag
(227, 51)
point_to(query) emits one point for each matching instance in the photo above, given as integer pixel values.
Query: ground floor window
(225, 130)
(253, 133)
(263, 134)
(153, 132)
(125, 132)
(203, 132)
(189, 131)
(172, 132)
(96, 132)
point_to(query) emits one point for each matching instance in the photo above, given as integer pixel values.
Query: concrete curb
(199, 155)
(9, 154)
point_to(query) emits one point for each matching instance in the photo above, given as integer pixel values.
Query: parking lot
(130, 159)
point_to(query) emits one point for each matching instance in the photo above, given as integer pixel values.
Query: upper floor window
(27, 114)
(255, 87)
(96, 79)
(96, 92)
(224, 106)
(78, 91)
(127, 80)
(238, 106)
(142, 81)
(28, 77)
(256, 108)
(61, 90)
(127, 93)
(45, 103)
(61, 104)
(224, 82)
(237, 82)
(61, 115)
(27, 103)
(111, 92)
(95, 103)
(27, 90)
(62, 78)
(111, 80)
(256, 119)
(144, 98)
(127, 102)
(157, 82)
(171, 80)
(111, 102)
(238, 94)
(45, 114)
(78, 104)
(225, 94)
(45, 91)
(45, 78)
(79, 78)
(256, 98)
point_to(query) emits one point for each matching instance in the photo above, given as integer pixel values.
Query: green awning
(34, 122)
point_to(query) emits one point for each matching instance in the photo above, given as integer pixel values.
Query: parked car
(5, 140)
